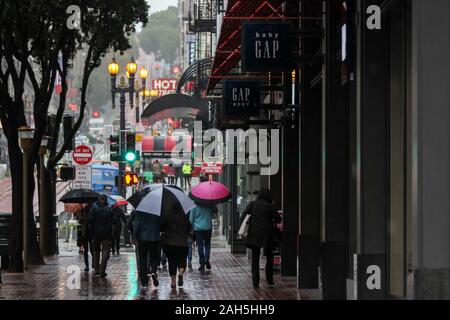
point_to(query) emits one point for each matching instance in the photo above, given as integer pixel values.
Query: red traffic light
(95, 114)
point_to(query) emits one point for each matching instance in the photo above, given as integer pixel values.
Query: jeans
(148, 259)
(189, 255)
(256, 252)
(187, 180)
(103, 246)
(204, 246)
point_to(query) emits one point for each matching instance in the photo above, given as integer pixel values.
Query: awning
(228, 51)
(173, 106)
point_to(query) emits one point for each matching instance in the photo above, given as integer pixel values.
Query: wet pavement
(229, 279)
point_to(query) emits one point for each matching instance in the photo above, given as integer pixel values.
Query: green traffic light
(130, 156)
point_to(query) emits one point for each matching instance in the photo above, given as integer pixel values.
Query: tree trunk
(49, 210)
(15, 161)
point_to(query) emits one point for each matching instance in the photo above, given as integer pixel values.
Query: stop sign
(82, 155)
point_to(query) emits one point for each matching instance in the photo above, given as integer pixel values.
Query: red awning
(228, 52)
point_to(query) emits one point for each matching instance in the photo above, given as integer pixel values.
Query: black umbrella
(165, 200)
(80, 196)
(137, 197)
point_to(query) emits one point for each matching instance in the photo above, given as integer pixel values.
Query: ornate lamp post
(122, 89)
(26, 136)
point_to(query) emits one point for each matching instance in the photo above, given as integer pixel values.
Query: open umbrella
(80, 196)
(162, 200)
(137, 197)
(116, 201)
(210, 192)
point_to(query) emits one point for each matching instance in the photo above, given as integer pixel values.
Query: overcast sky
(158, 5)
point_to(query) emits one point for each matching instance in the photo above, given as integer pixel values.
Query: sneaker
(190, 265)
(86, 269)
(155, 280)
(103, 275)
(180, 280)
(97, 273)
(113, 252)
(201, 269)
(208, 265)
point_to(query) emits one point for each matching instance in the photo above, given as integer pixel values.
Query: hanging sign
(241, 98)
(265, 46)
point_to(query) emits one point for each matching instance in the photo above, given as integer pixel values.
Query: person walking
(171, 174)
(100, 223)
(119, 217)
(263, 216)
(179, 174)
(187, 174)
(201, 220)
(147, 235)
(86, 235)
(175, 228)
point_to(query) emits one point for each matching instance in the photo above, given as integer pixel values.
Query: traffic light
(114, 148)
(130, 179)
(130, 148)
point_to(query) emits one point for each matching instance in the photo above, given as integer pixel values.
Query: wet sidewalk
(229, 279)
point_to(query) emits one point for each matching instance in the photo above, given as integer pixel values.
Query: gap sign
(241, 98)
(265, 46)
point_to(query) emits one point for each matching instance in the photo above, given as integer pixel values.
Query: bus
(104, 178)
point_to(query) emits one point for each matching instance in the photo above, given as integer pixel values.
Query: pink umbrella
(210, 192)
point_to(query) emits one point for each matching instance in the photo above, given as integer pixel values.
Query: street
(229, 279)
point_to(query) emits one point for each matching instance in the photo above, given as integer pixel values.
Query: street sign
(212, 167)
(83, 177)
(82, 155)
(164, 86)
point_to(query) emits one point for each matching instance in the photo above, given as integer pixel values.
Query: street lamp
(26, 137)
(122, 89)
(143, 74)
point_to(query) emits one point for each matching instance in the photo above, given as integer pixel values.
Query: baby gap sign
(265, 46)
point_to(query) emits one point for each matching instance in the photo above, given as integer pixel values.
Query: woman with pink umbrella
(206, 195)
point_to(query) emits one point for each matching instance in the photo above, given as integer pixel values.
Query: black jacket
(175, 230)
(101, 219)
(262, 223)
